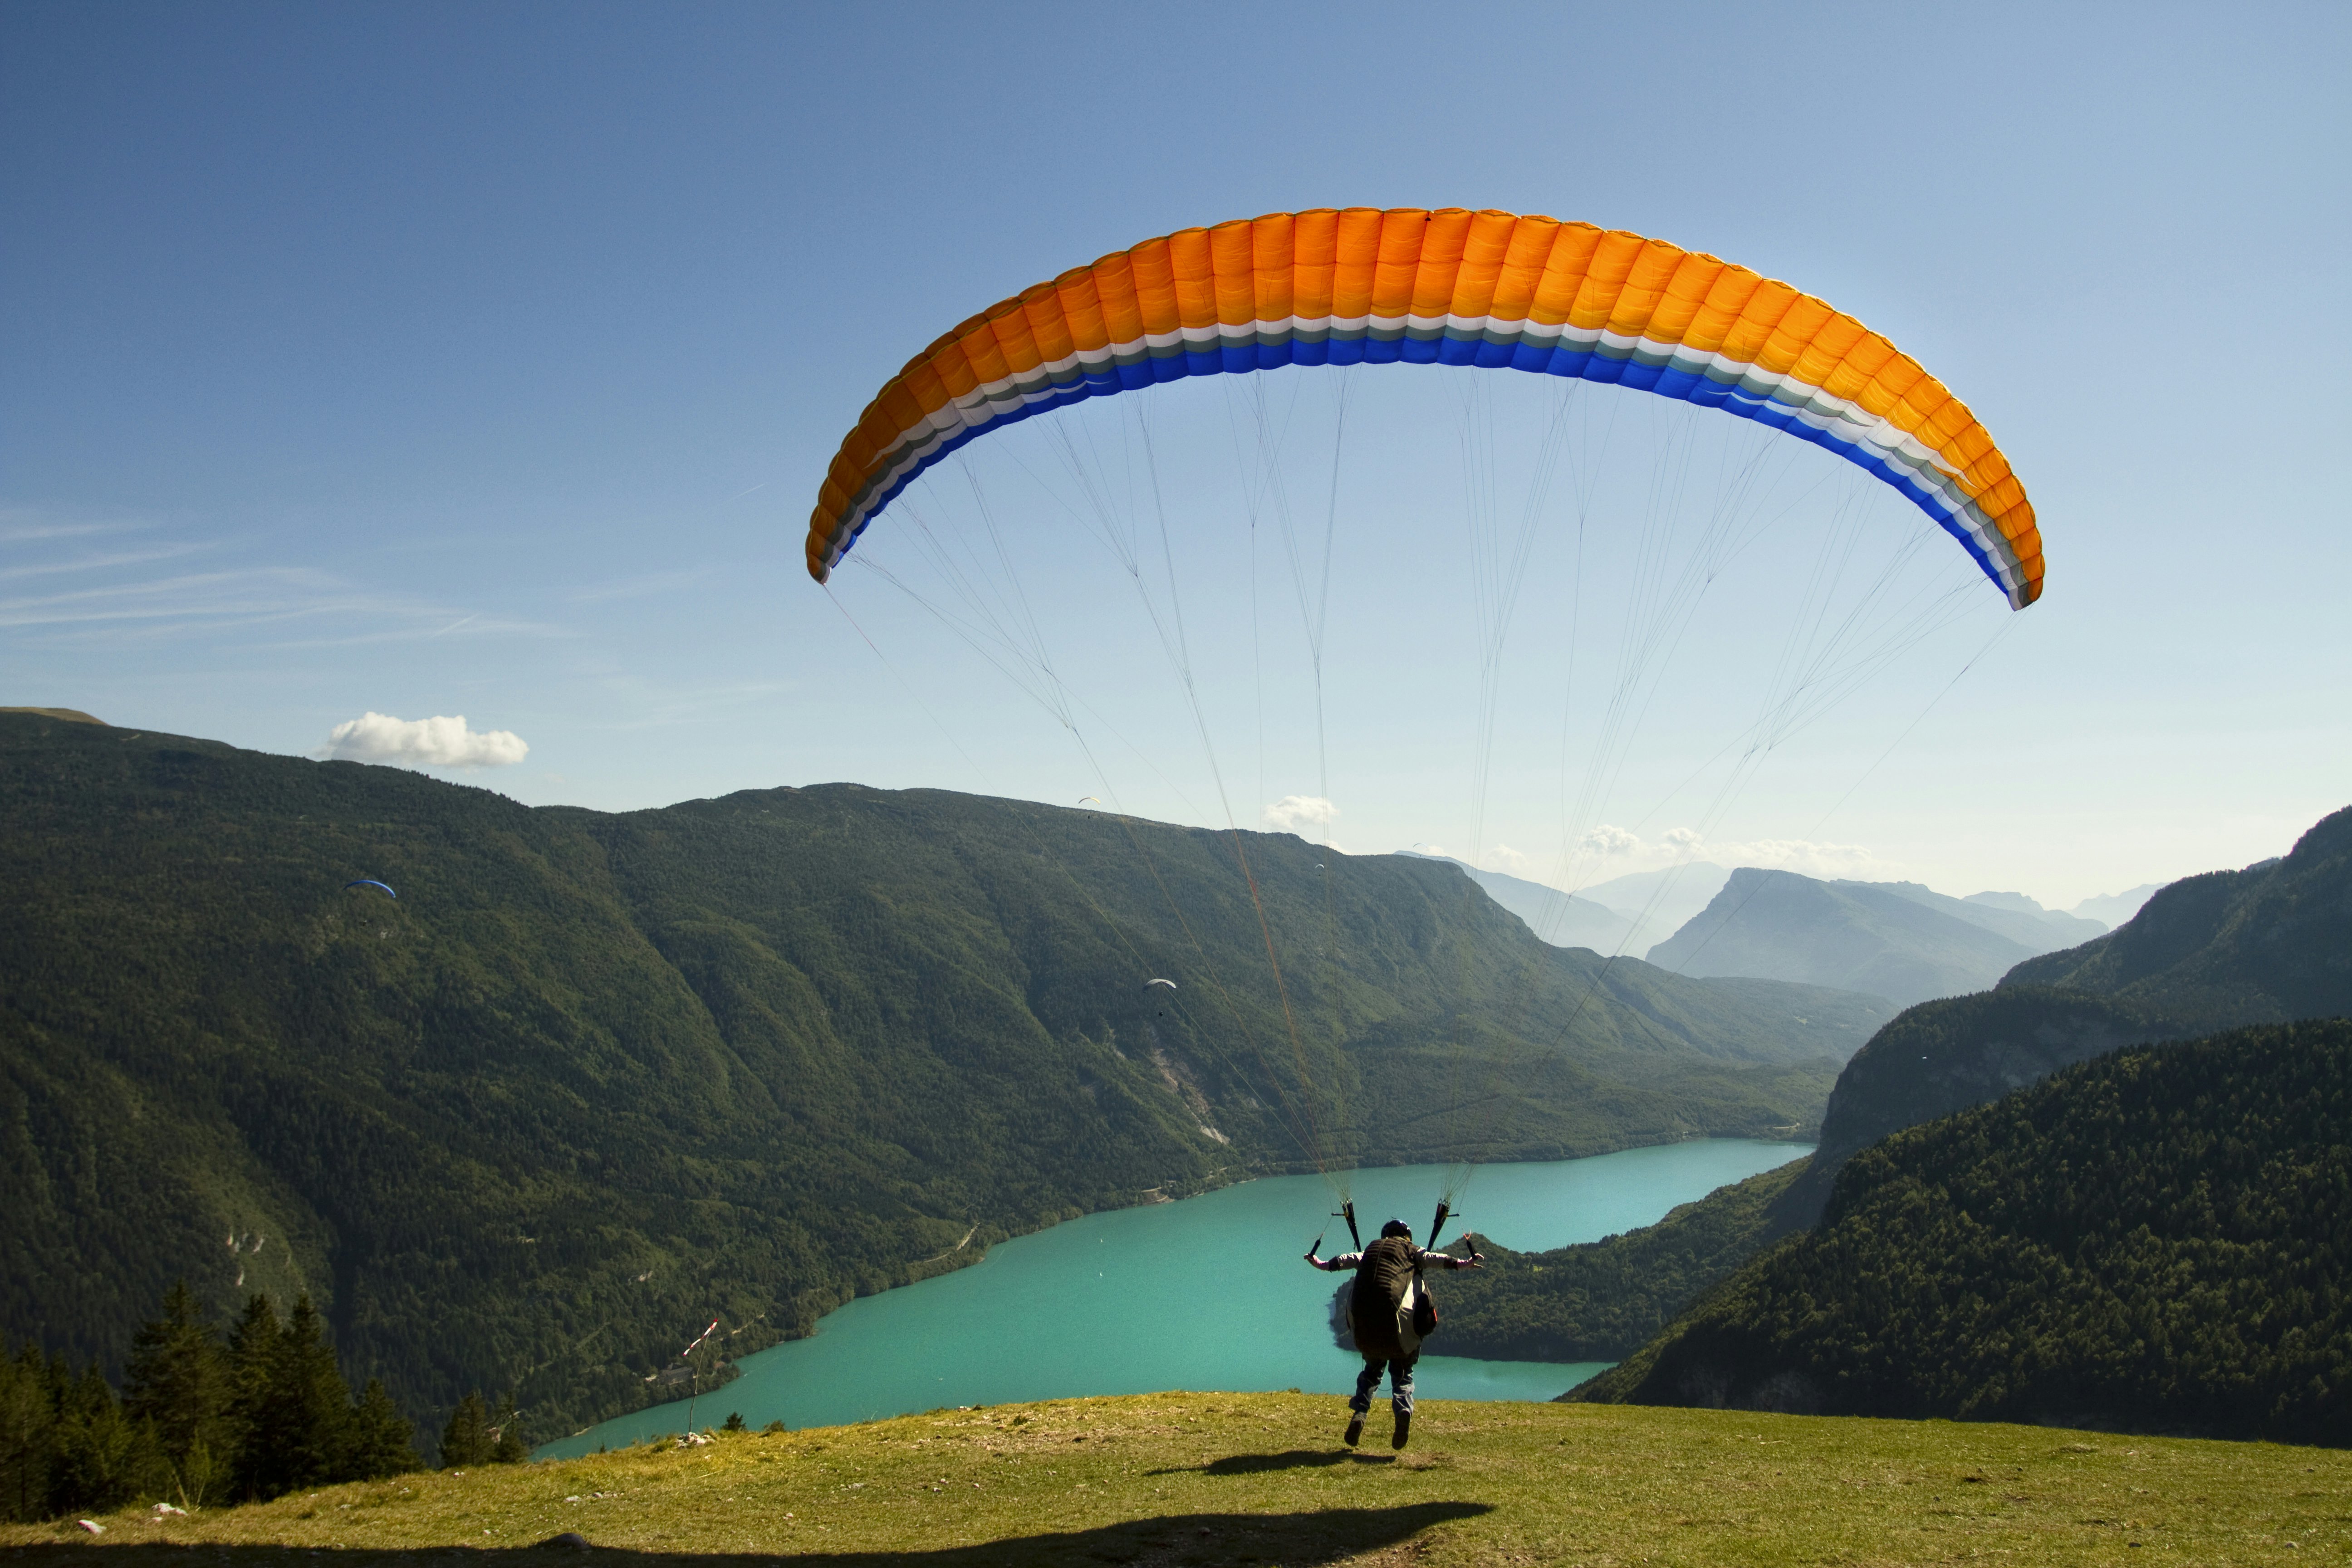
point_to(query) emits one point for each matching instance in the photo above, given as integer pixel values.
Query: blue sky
(435, 360)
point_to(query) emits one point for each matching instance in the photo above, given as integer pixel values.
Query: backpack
(1388, 1275)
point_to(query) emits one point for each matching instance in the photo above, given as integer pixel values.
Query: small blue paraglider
(370, 882)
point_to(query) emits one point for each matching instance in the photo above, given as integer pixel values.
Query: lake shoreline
(1074, 1308)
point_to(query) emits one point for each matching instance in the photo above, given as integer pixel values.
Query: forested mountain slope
(2271, 941)
(591, 1079)
(2265, 944)
(2154, 1241)
(1602, 1300)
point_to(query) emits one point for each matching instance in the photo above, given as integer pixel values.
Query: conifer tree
(467, 1440)
(382, 1442)
(306, 1412)
(252, 1362)
(179, 1386)
(269, 1413)
(28, 1432)
(101, 1460)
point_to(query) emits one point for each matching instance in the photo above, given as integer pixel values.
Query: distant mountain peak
(2018, 902)
(1901, 941)
(2114, 908)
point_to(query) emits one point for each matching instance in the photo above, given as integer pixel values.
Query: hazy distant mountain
(2013, 915)
(1561, 919)
(1898, 941)
(2116, 908)
(1681, 893)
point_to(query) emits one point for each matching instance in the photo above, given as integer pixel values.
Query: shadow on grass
(1191, 1540)
(1293, 1459)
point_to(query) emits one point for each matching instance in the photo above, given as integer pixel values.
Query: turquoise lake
(1210, 1293)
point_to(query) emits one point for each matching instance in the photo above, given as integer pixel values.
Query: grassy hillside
(2155, 1240)
(1236, 1479)
(591, 1080)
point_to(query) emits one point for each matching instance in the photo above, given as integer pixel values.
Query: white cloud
(437, 742)
(1292, 812)
(1607, 842)
(1805, 856)
(1516, 862)
(1682, 845)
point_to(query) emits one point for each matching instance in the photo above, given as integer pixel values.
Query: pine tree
(102, 1461)
(467, 1440)
(27, 1435)
(179, 1386)
(306, 1412)
(382, 1442)
(252, 1362)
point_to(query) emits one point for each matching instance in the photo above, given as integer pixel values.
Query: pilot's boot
(1403, 1429)
(1355, 1433)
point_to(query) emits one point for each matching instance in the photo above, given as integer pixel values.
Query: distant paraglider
(369, 882)
(1166, 988)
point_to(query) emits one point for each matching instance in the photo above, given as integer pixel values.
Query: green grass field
(1261, 1478)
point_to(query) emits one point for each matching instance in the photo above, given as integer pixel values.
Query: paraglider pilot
(1389, 1314)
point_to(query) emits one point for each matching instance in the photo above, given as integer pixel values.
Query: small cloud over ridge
(443, 741)
(1294, 812)
(1680, 845)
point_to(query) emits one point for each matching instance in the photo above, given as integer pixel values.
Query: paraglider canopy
(1491, 290)
(369, 882)
(1148, 984)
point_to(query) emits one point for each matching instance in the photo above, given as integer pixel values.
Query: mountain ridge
(590, 1076)
(2185, 972)
(1563, 919)
(1855, 936)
